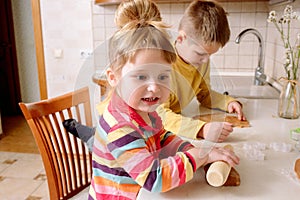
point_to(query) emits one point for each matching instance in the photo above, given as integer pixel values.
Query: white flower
(288, 10)
(295, 16)
(272, 16)
(292, 52)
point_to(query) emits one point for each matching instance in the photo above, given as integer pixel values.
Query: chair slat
(66, 159)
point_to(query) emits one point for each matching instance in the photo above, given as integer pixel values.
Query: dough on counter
(297, 168)
(224, 118)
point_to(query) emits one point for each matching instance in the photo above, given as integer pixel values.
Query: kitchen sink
(243, 87)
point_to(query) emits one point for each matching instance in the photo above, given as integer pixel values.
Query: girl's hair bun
(141, 12)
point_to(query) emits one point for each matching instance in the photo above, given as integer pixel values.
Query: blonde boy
(203, 30)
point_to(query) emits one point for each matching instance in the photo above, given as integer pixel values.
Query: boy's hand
(216, 131)
(236, 107)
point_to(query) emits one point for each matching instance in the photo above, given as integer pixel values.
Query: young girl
(132, 150)
(199, 36)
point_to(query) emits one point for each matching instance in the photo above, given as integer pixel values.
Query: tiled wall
(78, 27)
(232, 58)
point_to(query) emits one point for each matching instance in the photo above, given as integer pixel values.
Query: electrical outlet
(85, 53)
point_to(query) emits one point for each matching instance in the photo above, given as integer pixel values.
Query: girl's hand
(222, 154)
(206, 155)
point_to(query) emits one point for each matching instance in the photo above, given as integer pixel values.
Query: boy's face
(145, 81)
(195, 52)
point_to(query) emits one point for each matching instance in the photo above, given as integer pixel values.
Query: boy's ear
(111, 77)
(181, 36)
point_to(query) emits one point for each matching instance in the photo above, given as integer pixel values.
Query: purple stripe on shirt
(104, 124)
(114, 171)
(152, 176)
(183, 146)
(130, 137)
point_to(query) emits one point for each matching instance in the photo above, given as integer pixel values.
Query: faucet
(259, 76)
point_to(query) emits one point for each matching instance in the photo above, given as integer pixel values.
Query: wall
(232, 58)
(72, 29)
(68, 43)
(24, 38)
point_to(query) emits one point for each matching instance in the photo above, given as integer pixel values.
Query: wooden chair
(102, 83)
(66, 159)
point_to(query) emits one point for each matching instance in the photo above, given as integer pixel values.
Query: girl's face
(144, 82)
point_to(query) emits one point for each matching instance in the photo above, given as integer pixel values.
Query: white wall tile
(231, 48)
(217, 61)
(234, 20)
(177, 8)
(175, 19)
(99, 34)
(246, 62)
(110, 9)
(233, 7)
(248, 7)
(230, 62)
(246, 47)
(262, 7)
(261, 20)
(164, 8)
(97, 9)
(247, 19)
(98, 21)
(109, 21)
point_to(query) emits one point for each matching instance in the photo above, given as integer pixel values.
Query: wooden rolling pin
(218, 172)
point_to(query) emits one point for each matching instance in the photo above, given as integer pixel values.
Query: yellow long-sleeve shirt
(189, 82)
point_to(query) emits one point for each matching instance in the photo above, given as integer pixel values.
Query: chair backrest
(66, 159)
(102, 83)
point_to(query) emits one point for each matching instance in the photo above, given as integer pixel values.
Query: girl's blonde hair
(206, 20)
(135, 10)
(140, 28)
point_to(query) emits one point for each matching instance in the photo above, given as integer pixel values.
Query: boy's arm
(208, 97)
(179, 124)
(213, 99)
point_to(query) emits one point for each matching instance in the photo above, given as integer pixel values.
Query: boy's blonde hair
(206, 20)
(140, 28)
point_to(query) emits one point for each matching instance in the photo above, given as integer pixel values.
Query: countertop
(271, 178)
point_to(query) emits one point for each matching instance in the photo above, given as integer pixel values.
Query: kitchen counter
(271, 178)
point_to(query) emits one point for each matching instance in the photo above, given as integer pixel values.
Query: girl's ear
(111, 77)
(181, 36)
